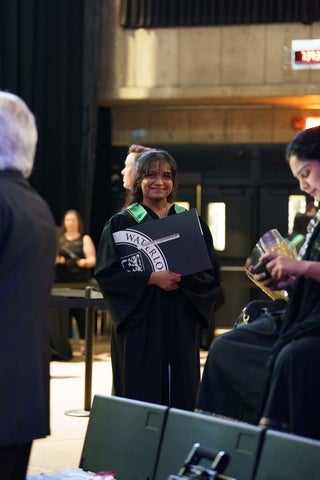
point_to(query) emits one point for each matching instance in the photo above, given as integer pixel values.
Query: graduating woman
(155, 317)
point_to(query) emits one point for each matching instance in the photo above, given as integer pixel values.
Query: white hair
(18, 135)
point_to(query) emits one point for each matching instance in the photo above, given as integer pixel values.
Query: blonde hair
(135, 148)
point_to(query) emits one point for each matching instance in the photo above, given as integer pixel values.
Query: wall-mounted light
(312, 122)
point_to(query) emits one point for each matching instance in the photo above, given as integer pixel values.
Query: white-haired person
(27, 254)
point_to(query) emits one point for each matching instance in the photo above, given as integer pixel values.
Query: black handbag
(256, 308)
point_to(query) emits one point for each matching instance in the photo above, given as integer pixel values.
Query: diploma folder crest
(172, 243)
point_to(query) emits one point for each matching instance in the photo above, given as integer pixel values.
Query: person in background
(129, 170)
(311, 209)
(267, 372)
(299, 231)
(300, 226)
(155, 317)
(76, 257)
(28, 248)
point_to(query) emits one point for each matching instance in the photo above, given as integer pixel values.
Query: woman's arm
(89, 251)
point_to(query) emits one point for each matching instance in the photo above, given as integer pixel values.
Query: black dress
(70, 272)
(155, 333)
(60, 318)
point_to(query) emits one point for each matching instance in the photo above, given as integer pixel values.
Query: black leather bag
(256, 308)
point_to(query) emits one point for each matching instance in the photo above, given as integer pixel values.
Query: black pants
(14, 461)
(294, 392)
(80, 316)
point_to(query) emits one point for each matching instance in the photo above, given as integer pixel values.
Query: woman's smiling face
(158, 183)
(307, 172)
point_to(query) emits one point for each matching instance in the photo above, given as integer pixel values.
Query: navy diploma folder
(172, 243)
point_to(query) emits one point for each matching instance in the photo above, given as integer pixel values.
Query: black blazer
(27, 254)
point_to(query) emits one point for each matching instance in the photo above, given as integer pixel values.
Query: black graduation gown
(155, 334)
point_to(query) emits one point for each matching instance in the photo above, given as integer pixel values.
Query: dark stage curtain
(184, 13)
(49, 56)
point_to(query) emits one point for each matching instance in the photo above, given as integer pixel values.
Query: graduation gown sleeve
(122, 290)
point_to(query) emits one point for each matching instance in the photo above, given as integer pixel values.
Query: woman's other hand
(165, 279)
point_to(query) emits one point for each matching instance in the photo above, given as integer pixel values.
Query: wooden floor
(62, 449)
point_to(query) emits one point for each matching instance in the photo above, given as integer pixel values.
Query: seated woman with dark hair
(269, 370)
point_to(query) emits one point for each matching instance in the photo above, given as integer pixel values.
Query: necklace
(163, 213)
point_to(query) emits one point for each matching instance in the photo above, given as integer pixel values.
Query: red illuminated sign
(305, 54)
(307, 57)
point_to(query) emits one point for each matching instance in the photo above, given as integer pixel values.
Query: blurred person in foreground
(27, 254)
(267, 372)
(155, 316)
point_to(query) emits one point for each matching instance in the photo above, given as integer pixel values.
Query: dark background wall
(175, 13)
(49, 56)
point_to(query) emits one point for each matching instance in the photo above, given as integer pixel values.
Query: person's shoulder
(86, 236)
(119, 220)
(11, 179)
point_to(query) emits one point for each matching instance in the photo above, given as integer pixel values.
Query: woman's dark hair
(143, 165)
(79, 218)
(305, 145)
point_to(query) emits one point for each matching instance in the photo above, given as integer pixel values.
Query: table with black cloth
(78, 295)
